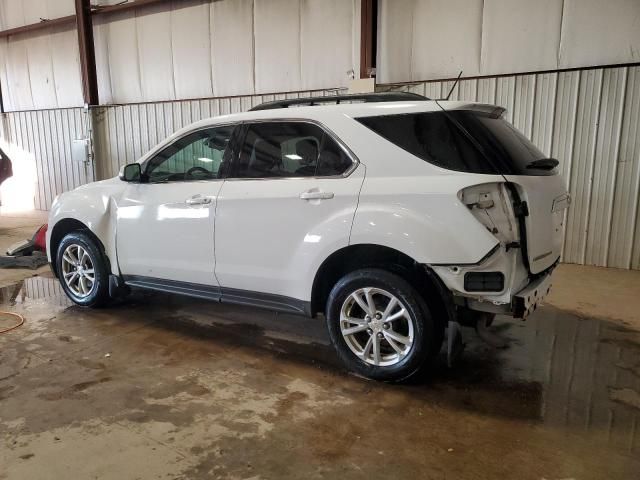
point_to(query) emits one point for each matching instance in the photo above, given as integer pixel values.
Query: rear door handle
(198, 200)
(314, 195)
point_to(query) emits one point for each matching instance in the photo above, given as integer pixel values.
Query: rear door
(287, 203)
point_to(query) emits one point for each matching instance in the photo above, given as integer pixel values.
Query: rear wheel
(380, 326)
(82, 270)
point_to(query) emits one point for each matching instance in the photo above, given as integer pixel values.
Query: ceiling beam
(368, 37)
(45, 23)
(71, 19)
(84, 25)
(124, 6)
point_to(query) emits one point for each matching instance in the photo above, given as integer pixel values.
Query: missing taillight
(484, 281)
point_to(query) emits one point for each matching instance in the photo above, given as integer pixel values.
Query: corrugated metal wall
(590, 121)
(44, 138)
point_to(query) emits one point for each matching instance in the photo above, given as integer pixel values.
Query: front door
(165, 226)
(288, 203)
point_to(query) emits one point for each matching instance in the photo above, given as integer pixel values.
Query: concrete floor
(167, 387)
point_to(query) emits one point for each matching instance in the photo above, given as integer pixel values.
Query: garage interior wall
(587, 118)
(180, 50)
(164, 66)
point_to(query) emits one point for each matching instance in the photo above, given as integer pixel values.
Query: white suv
(393, 215)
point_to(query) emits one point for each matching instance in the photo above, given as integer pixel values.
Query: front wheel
(82, 270)
(380, 325)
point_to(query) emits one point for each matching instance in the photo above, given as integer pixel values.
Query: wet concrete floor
(167, 387)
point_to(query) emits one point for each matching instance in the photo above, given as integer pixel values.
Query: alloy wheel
(78, 270)
(376, 326)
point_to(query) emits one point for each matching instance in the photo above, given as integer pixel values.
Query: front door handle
(315, 195)
(198, 200)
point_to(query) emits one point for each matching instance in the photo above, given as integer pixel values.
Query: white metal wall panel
(232, 46)
(596, 32)
(606, 158)
(590, 121)
(40, 69)
(65, 57)
(325, 57)
(199, 48)
(581, 173)
(625, 226)
(117, 44)
(505, 94)
(436, 51)
(487, 90)
(520, 35)
(523, 103)
(192, 52)
(155, 53)
(543, 111)
(435, 39)
(277, 45)
(395, 38)
(564, 122)
(17, 87)
(45, 137)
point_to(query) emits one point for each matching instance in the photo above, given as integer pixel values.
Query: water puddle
(37, 290)
(562, 371)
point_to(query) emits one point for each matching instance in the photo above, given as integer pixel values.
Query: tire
(75, 277)
(392, 364)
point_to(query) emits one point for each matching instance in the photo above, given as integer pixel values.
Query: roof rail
(337, 99)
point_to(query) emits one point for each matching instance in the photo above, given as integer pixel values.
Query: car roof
(318, 112)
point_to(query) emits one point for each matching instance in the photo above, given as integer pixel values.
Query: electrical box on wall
(80, 150)
(362, 85)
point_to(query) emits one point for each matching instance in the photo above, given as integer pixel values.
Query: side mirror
(131, 173)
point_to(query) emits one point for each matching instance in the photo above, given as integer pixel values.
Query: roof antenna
(454, 85)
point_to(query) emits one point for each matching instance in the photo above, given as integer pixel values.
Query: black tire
(427, 332)
(98, 294)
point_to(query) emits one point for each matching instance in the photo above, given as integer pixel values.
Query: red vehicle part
(39, 239)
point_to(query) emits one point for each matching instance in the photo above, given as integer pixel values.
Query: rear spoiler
(486, 108)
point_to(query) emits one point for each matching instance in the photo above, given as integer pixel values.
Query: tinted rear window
(443, 140)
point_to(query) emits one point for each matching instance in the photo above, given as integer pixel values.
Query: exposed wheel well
(64, 227)
(355, 257)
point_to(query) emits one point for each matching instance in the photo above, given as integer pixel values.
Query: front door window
(196, 156)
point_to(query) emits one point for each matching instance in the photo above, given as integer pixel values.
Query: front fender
(93, 205)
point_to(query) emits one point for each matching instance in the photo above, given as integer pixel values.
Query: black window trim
(159, 149)
(240, 141)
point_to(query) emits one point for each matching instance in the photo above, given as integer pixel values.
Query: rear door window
(289, 149)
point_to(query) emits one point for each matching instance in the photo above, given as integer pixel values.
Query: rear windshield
(444, 139)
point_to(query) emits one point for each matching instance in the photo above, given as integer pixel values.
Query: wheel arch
(61, 229)
(355, 257)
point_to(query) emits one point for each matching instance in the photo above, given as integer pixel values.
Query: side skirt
(279, 303)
